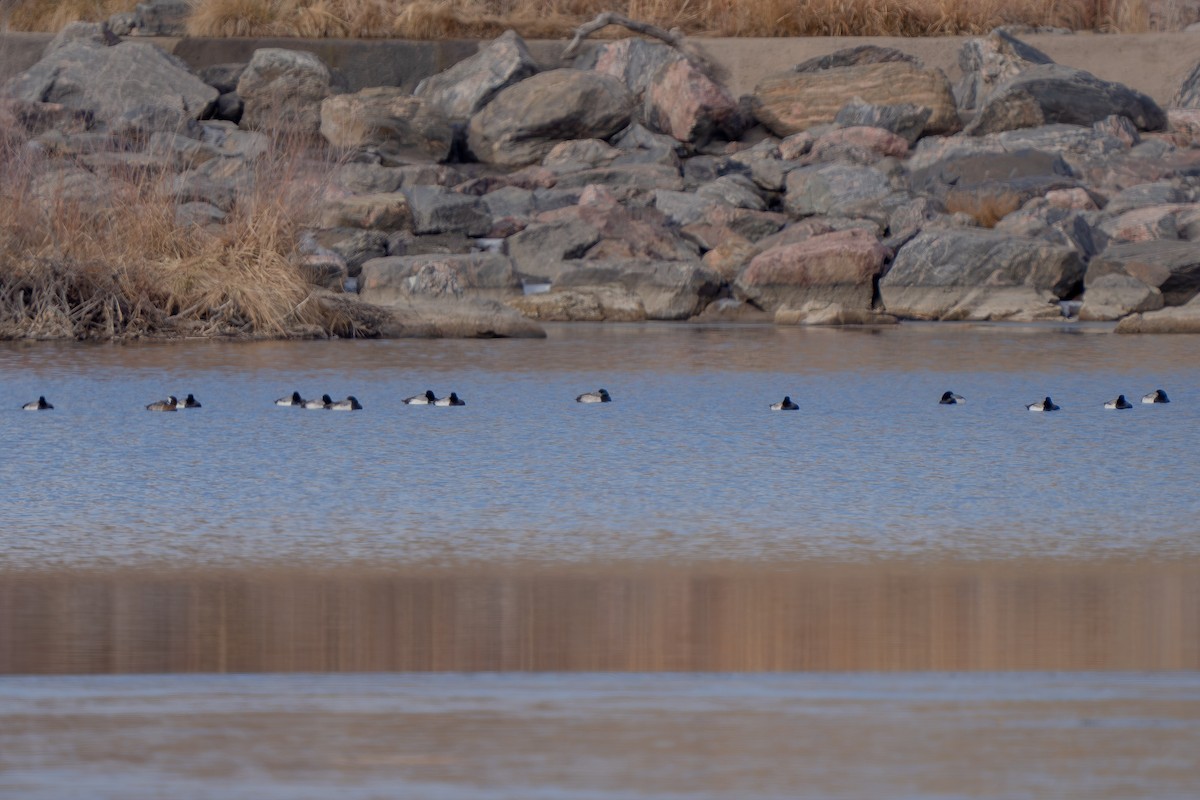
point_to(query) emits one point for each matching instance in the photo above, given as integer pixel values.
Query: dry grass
(121, 266)
(987, 208)
(434, 19)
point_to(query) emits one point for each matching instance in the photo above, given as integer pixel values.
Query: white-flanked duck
(1045, 405)
(325, 402)
(452, 400)
(426, 399)
(785, 404)
(598, 396)
(170, 404)
(38, 405)
(294, 400)
(1157, 396)
(190, 402)
(349, 404)
(1119, 403)
(951, 399)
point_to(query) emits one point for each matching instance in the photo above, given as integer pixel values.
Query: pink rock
(1070, 199)
(685, 103)
(1145, 224)
(796, 145)
(835, 267)
(868, 144)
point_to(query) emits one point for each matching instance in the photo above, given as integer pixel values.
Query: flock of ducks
(428, 398)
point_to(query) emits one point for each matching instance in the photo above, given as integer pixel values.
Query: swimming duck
(170, 404)
(190, 402)
(785, 404)
(951, 399)
(452, 400)
(325, 402)
(598, 396)
(294, 400)
(1120, 403)
(38, 405)
(426, 399)
(1044, 405)
(349, 404)
(1157, 396)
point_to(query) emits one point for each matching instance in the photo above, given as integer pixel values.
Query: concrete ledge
(1153, 63)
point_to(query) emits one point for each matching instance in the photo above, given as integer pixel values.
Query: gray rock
(599, 304)
(97, 34)
(1116, 295)
(465, 88)
(978, 275)
(1178, 319)
(838, 190)
(510, 201)
(526, 120)
(326, 270)
(737, 191)
(580, 154)
(390, 121)
(1060, 226)
(862, 55)
(354, 246)
(989, 186)
(439, 210)
(229, 107)
(991, 60)
(683, 208)
(387, 211)
(1188, 95)
(1144, 224)
(218, 181)
(1079, 147)
(639, 145)
(222, 77)
(539, 251)
(667, 289)
(637, 177)
(1146, 194)
(162, 18)
(200, 214)
(457, 318)
(904, 119)
(479, 275)
(1047, 94)
(282, 91)
(130, 88)
(634, 62)
(1172, 268)
(122, 24)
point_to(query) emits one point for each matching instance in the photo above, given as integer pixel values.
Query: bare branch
(672, 37)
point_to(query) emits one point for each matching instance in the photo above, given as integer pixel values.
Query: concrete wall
(1154, 63)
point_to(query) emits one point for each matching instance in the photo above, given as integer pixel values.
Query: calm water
(491, 737)
(687, 463)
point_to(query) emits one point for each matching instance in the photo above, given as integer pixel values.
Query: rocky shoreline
(856, 188)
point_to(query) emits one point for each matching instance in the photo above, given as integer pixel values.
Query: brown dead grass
(121, 266)
(434, 19)
(986, 208)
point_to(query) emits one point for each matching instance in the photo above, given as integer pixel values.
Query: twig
(672, 37)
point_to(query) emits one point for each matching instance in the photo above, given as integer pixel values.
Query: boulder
(353, 245)
(461, 91)
(1047, 94)
(1178, 319)
(1115, 295)
(1172, 268)
(480, 275)
(539, 251)
(526, 120)
(857, 145)
(282, 91)
(1158, 193)
(685, 103)
(1144, 224)
(438, 210)
(97, 34)
(389, 119)
(667, 289)
(580, 154)
(836, 267)
(130, 88)
(218, 181)
(1079, 147)
(978, 275)
(730, 256)
(791, 102)
(385, 211)
(631, 179)
(162, 18)
(906, 120)
(1188, 95)
(454, 318)
(838, 190)
(601, 304)
(222, 77)
(736, 191)
(818, 312)
(990, 186)
(989, 61)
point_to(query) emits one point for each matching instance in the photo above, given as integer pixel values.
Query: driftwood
(673, 37)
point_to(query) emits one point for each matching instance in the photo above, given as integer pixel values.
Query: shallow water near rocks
(687, 463)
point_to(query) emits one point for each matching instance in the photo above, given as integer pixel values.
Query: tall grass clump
(101, 255)
(435, 19)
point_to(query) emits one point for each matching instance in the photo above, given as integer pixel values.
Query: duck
(349, 404)
(452, 400)
(170, 404)
(1119, 403)
(294, 400)
(426, 399)
(1157, 396)
(785, 404)
(38, 405)
(951, 399)
(190, 402)
(325, 402)
(1044, 405)
(598, 396)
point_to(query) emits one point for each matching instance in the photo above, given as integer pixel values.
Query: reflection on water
(643, 618)
(687, 463)
(586, 737)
